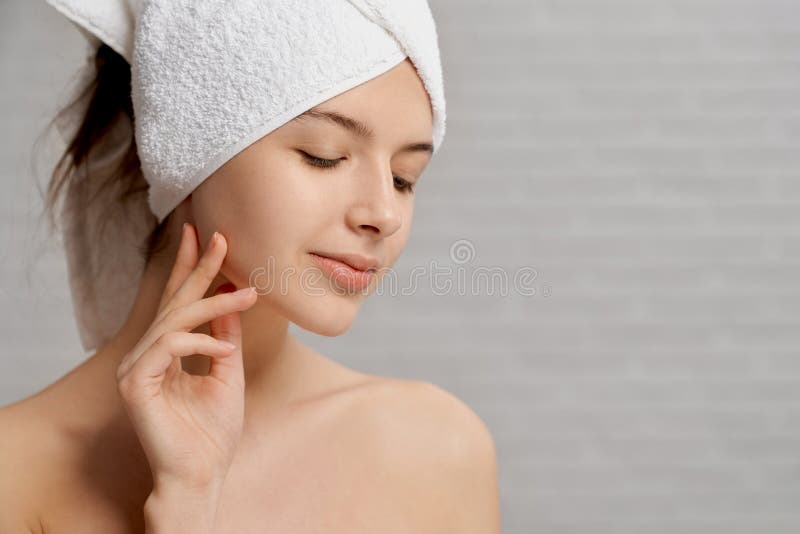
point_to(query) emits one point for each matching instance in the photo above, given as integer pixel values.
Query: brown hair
(108, 94)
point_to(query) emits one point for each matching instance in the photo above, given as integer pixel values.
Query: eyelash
(405, 185)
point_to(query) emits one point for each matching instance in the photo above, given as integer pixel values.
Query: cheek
(262, 197)
(396, 243)
(261, 216)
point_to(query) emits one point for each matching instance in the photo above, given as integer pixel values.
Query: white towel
(211, 77)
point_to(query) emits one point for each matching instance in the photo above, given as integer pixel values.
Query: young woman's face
(276, 207)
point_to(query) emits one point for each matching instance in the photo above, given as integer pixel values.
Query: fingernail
(227, 344)
(244, 291)
(212, 240)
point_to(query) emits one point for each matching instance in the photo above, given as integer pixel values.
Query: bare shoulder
(422, 411)
(18, 490)
(439, 451)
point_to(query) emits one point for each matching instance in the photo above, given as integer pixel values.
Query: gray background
(641, 157)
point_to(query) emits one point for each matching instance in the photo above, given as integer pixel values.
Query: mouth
(349, 271)
(354, 261)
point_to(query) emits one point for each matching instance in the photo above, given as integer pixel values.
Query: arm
(472, 489)
(466, 498)
(16, 488)
(441, 461)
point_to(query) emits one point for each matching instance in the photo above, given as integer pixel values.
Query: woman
(266, 434)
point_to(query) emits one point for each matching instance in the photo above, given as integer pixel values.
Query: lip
(354, 261)
(345, 274)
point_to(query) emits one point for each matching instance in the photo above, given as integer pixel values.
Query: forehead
(393, 101)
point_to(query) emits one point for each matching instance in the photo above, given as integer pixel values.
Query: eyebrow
(357, 127)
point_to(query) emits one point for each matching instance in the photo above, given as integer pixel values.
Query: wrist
(175, 509)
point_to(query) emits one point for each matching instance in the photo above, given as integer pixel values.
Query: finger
(185, 262)
(187, 318)
(228, 328)
(192, 315)
(196, 284)
(150, 368)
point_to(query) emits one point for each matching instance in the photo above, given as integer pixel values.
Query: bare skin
(325, 448)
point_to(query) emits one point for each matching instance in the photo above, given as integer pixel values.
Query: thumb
(228, 369)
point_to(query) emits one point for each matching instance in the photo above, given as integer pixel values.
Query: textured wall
(642, 158)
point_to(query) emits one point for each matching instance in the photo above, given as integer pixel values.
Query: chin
(326, 329)
(323, 323)
(328, 314)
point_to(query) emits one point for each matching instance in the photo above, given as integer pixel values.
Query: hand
(189, 425)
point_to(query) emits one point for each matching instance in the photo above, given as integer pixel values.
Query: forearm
(172, 511)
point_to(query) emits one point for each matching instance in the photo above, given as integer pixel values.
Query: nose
(376, 209)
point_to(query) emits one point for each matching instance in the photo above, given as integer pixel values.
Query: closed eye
(319, 162)
(400, 183)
